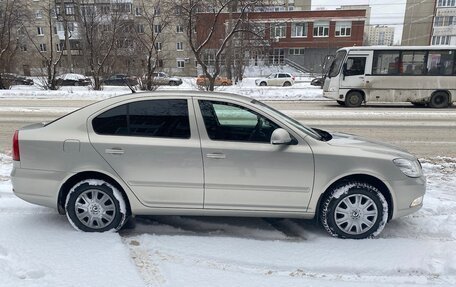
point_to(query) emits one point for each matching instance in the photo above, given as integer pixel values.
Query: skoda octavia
(213, 154)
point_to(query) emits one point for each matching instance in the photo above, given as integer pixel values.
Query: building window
(343, 29)
(443, 21)
(446, 3)
(180, 63)
(69, 9)
(279, 30)
(160, 63)
(40, 31)
(158, 46)
(299, 30)
(177, 10)
(179, 29)
(39, 14)
(296, 51)
(440, 40)
(157, 10)
(140, 28)
(23, 48)
(43, 48)
(180, 46)
(59, 47)
(321, 29)
(71, 26)
(138, 11)
(157, 29)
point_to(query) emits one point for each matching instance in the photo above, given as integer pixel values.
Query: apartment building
(418, 20)
(444, 26)
(379, 35)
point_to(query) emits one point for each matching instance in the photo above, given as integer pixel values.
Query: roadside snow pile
(301, 90)
(39, 248)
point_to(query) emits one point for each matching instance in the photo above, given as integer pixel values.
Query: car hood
(353, 141)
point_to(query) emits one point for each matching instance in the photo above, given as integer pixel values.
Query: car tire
(172, 83)
(263, 84)
(341, 217)
(439, 100)
(342, 103)
(95, 205)
(286, 84)
(353, 99)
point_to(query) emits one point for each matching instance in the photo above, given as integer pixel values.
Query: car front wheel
(263, 84)
(95, 206)
(354, 210)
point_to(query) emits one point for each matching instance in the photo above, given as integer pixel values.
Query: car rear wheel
(353, 99)
(286, 84)
(263, 84)
(172, 83)
(354, 210)
(439, 100)
(95, 206)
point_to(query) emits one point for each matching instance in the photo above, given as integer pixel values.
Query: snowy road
(38, 247)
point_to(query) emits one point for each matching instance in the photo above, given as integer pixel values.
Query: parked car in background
(121, 80)
(202, 80)
(162, 78)
(210, 154)
(14, 79)
(319, 82)
(71, 79)
(276, 79)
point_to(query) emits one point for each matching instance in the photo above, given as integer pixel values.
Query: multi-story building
(300, 38)
(379, 35)
(418, 19)
(444, 28)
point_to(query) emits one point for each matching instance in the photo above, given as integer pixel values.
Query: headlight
(408, 167)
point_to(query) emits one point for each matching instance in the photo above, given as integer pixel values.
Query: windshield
(291, 121)
(335, 66)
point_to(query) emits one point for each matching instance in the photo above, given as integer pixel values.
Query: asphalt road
(424, 132)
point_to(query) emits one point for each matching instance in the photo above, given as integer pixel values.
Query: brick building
(301, 39)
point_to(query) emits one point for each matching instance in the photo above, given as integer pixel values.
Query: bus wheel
(439, 100)
(353, 99)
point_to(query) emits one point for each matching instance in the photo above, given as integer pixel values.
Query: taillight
(293, 77)
(16, 155)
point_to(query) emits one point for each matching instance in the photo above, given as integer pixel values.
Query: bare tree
(47, 44)
(11, 17)
(100, 26)
(154, 18)
(223, 19)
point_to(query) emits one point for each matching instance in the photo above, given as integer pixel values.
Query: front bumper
(405, 192)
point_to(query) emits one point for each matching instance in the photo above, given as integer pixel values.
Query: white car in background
(276, 79)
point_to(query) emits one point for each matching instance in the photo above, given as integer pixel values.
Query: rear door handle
(118, 151)
(216, 155)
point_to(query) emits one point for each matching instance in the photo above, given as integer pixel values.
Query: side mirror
(280, 136)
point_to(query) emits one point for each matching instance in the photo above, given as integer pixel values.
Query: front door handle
(118, 151)
(216, 155)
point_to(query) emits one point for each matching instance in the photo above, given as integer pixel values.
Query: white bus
(423, 75)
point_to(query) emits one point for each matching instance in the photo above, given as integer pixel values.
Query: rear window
(152, 118)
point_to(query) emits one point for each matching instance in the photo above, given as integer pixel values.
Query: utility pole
(67, 37)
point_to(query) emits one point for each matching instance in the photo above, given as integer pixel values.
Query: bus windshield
(335, 66)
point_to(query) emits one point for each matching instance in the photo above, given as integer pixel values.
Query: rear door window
(152, 118)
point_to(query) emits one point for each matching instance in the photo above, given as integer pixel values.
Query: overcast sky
(386, 12)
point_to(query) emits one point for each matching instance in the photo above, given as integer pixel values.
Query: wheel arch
(71, 181)
(359, 91)
(378, 183)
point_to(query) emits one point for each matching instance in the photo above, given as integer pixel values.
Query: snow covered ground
(38, 247)
(301, 90)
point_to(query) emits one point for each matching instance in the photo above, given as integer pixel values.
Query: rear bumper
(39, 187)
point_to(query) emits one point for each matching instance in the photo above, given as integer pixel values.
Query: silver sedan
(195, 153)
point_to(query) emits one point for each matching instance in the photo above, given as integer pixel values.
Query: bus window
(355, 66)
(386, 63)
(413, 62)
(440, 62)
(335, 66)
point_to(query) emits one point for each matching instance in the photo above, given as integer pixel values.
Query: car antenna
(133, 91)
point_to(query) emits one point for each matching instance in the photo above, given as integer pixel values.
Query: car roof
(175, 93)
